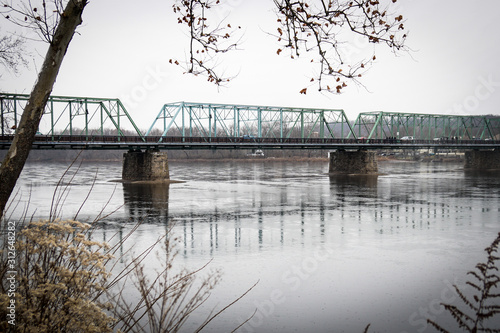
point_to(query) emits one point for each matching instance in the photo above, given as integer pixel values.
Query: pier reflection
(363, 181)
(146, 200)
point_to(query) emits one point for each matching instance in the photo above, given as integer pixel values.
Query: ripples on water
(331, 254)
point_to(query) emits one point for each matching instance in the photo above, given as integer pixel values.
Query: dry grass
(61, 275)
(65, 284)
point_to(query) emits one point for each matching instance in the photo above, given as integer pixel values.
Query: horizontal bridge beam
(176, 143)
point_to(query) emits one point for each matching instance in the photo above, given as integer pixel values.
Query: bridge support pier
(147, 165)
(482, 160)
(353, 162)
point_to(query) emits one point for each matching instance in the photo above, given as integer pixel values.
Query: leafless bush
(480, 309)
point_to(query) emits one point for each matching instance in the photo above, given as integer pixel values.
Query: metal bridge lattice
(381, 125)
(224, 120)
(70, 116)
(85, 120)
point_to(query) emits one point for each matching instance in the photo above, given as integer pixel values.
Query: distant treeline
(116, 155)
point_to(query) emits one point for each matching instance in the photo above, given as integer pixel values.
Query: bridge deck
(187, 143)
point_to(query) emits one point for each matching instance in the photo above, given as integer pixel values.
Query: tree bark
(15, 159)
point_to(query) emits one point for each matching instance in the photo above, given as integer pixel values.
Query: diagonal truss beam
(215, 120)
(64, 115)
(108, 117)
(381, 125)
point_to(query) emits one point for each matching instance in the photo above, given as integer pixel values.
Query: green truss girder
(88, 116)
(65, 115)
(213, 120)
(381, 125)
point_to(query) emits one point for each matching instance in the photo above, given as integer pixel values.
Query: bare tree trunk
(15, 159)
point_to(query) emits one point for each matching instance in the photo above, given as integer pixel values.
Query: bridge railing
(127, 142)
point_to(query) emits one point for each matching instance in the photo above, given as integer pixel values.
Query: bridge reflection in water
(333, 246)
(234, 217)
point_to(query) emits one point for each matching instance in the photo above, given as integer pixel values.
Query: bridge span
(101, 123)
(99, 142)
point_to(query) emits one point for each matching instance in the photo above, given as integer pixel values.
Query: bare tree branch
(12, 53)
(324, 27)
(41, 17)
(205, 41)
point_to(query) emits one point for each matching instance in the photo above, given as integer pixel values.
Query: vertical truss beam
(65, 115)
(380, 125)
(96, 116)
(214, 120)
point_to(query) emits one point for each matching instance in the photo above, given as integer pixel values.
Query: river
(330, 254)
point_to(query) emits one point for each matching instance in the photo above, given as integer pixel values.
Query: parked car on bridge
(248, 137)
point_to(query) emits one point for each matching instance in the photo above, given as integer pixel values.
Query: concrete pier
(482, 160)
(353, 162)
(147, 165)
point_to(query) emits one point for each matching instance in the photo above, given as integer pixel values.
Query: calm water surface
(330, 254)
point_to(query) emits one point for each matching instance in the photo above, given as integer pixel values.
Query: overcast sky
(123, 48)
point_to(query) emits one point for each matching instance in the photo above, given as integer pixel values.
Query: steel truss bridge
(99, 123)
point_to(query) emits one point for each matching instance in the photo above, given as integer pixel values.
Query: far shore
(408, 158)
(380, 158)
(36, 157)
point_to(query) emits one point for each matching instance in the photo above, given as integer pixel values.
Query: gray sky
(124, 46)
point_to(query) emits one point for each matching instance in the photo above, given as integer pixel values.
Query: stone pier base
(482, 160)
(353, 162)
(148, 165)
